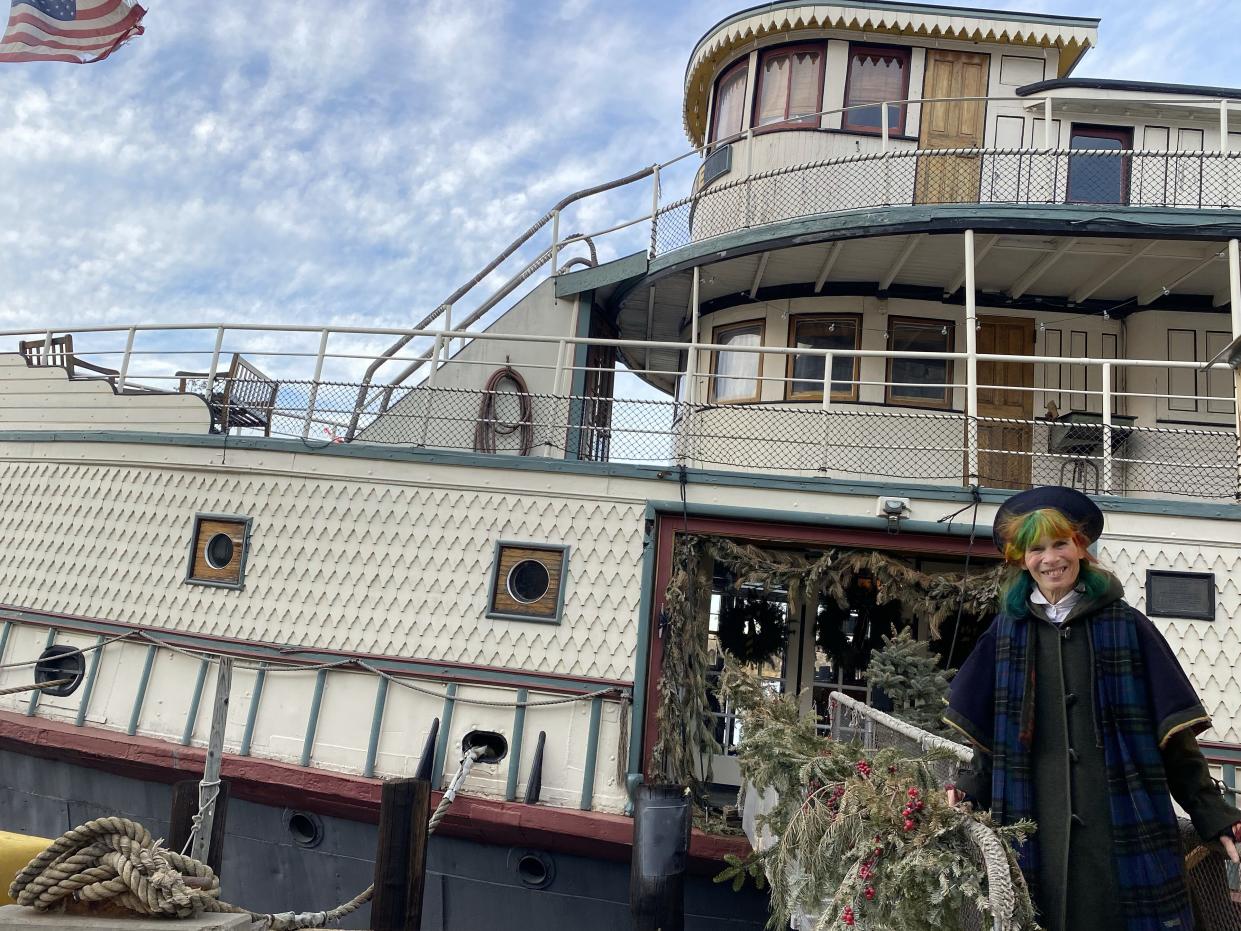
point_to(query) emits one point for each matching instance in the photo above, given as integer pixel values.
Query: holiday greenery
(685, 742)
(865, 839)
(910, 676)
(751, 628)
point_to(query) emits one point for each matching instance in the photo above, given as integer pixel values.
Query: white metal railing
(858, 422)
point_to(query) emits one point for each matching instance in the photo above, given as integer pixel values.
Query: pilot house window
(920, 382)
(729, 101)
(876, 74)
(790, 85)
(1099, 178)
(806, 372)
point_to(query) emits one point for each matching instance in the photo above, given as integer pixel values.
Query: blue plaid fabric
(1146, 852)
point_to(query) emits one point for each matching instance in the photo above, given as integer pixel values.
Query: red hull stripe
(487, 821)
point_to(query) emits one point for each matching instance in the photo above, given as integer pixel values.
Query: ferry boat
(921, 262)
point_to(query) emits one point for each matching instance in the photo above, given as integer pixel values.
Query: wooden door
(957, 124)
(1004, 448)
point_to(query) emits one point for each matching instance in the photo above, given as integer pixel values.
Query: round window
(219, 551)
(528, 581)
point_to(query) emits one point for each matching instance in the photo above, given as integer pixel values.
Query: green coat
(1072, 807)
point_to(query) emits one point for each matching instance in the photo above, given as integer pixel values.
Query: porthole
(495, 746)
(528, 581)
(305, 828)
(534, 868)
(60, 661)
(219, 551)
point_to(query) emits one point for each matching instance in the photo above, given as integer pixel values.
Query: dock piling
(401, 855)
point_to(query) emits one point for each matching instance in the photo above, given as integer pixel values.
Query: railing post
(1234, 294)
(555, 240)
(883, 127)
(1107, 428)
(561, 363)
(129, 348)
(1047, 124)
(827, 411)
(215, 358)
(971, 361)
(314, 383)
(654, 209)
(749, 177)
(1223, 126)
(47, 348)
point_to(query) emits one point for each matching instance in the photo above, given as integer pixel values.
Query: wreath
(752, 628)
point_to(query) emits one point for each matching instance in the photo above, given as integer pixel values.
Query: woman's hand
(1229, 842)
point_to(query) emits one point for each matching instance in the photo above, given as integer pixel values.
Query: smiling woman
(1082, 718)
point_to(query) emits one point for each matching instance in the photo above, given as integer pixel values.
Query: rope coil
(117, 859)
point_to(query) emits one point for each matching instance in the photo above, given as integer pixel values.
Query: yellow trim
(1204, 719)
(977, 743)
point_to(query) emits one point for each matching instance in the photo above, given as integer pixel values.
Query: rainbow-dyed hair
(1020, 532)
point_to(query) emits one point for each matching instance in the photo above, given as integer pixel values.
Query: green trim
(668, 473)
(577, 388)
(1068, 219)
(143, 682)
(646, 597)
(592, 755)
(377, 718)
(191, 716)
(88, 687)
(36, 693)
(609, 273)
(4, 638)
(252, 713)
(514, 746)
(312, 721)
(262, 652)
(494, 581)
(441, 743)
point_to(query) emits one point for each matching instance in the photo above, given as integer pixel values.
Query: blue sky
(318, 162)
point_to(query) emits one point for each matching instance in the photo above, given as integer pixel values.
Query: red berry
(847, 916)
(892, 769)
(919, 806)
(870, 893)
(913, 792)
(878, 852)
(909, 825)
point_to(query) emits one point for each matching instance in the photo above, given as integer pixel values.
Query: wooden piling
(181, 822)
(401, 855)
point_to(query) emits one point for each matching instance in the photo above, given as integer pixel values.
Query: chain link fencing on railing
(1199, 180)
(836, 442)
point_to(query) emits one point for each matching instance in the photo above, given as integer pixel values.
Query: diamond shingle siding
(370, 566)
(1210, 651)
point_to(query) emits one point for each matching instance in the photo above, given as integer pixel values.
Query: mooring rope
(117, 859)
(36, 686)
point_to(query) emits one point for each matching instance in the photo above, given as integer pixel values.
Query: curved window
(728, 106)
(815, 331)
(790, 86)
(738, 374)
(876, 73)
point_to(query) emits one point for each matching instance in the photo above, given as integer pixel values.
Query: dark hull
(469, 886)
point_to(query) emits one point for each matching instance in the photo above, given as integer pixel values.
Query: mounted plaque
(1188, 595)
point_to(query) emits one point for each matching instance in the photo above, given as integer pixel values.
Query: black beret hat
(1068, 501)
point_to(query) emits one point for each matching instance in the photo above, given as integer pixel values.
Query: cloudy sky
(314, 162)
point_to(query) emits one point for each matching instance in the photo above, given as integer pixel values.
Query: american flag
(79, 31)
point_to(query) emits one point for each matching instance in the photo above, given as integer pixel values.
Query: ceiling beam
(1040, 268)
(758, 274)
(1098, 281)
(984, 245)
(911, 243)
(1154, 293)
(833, 253)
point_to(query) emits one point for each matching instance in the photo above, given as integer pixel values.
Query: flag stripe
(98, 12)
(22, 38)
(39, 26)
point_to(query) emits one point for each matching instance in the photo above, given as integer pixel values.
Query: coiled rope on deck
(116, 859)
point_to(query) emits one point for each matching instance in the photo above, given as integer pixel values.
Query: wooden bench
(240, 396)
(59, 354)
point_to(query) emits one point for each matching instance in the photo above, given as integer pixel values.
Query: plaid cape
(1141, 698)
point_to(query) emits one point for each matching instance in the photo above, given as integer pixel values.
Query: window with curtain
(920, 382)
(1099, 179)
(806, 372)
(729, 101)
(790, 85)
(876, 73)
(736, 374)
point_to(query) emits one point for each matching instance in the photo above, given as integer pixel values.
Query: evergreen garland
(752, 629)
(864, 838)
(685, 741)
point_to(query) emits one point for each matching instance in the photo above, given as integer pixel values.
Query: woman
(1082, 719)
